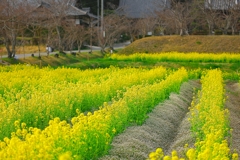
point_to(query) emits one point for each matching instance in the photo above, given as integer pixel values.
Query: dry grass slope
(193, 43)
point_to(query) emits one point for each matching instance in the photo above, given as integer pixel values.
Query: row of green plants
(209, 123)
(88, 136)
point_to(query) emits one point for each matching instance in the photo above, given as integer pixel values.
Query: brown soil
(233, 105)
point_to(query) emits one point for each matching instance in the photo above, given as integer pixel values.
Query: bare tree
(209, 13)
(82, 35)
(160, 26)
(230, 16)
(59, 10)
(223, 20)
(113, 27)
(146, 26)
(13, 15)
(131, 28)
(40, 25)
(221, 15)
(180, 15)
(235, 17)
(75, 34)
(69, 36)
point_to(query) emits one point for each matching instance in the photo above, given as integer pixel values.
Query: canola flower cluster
(159, 155)
(88, 136)
(35, 96)
(179, 57)
(209, 122)
(185, 57)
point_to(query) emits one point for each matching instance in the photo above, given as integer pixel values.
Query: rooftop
(141, 8)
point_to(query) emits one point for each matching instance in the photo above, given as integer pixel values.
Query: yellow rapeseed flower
(152, 156)
(65, 156)
(166, 158)
(191, 154)
(234, 156)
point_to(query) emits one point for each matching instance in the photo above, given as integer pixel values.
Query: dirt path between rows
(233, 105)
(168, 126)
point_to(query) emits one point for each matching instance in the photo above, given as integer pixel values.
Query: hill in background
(206, 44)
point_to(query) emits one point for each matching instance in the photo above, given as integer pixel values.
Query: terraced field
(119, 113)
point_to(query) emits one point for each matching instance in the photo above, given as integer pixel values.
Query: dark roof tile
(141, 8)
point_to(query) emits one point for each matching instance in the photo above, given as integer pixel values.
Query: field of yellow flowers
(35, 96)
(209, 123)
(68, 113)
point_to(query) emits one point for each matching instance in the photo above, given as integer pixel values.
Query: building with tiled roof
(141, 8)
(221, 4)
(70, 11)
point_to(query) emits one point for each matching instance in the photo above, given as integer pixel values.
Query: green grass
(85, 60)
(96, 60)
(104, 62)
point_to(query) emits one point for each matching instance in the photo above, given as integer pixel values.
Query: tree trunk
(103, 49)
(181, 32)
(71, 47)
(131, 37)
(13, 45)
(59, 39)
(11, 52)
(210, 28)
(79, 46)
(227, 27)
(39, 56)
(181, 28)
(233, 30)
(7, 45)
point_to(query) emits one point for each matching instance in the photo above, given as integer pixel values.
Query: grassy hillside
(207, 44)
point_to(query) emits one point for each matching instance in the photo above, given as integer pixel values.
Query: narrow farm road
(166, 127)
(233, 105)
